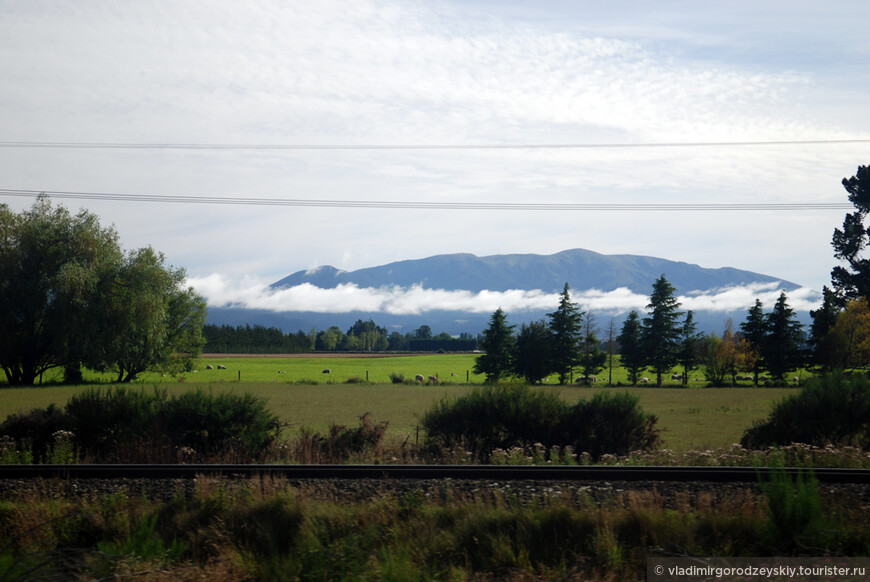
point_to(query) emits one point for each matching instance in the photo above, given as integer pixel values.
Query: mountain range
(581, 269)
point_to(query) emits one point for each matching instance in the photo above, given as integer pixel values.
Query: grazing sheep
(676, 376)
(209, 367)
(221, 367)
(419, 378)
(281, 372)
(433, 379)
(644, 380)
(327, 371)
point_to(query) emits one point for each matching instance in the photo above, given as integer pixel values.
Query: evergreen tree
(782, 348)
(689, 338)
(754, 331)
(631, 352)
(497, 344)
(661, 332)
(533, 352)
(566, 325)
(853, 280)
(824, 318)
(592, 359)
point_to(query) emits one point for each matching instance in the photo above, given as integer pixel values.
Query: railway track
(599, 473)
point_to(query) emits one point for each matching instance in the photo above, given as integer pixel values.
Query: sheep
(419, 378)
(209, 367)
(221, 367)
(327, 371)
(433, 379)
(644, 380)
(281, 372)
(676, 376)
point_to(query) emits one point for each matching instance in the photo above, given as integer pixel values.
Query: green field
(303, 396)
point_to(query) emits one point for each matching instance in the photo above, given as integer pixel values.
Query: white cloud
(221, 292)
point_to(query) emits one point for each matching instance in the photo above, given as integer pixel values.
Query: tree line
(72, 298)
(362, 336)
(566, 343)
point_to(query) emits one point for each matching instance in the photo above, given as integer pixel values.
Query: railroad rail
(600, 473)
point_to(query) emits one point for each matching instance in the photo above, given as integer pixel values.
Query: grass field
(690, 418)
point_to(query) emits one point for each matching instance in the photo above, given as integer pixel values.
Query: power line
(412, 205)
(526, 146)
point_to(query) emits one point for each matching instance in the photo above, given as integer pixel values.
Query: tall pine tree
(754, 331)
(661, 332)
(631, 354)
(498, 346)
(782, 351)
(566, 324)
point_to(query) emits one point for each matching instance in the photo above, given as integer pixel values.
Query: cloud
(221, 292)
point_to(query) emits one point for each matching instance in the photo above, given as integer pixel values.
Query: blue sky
(417, 73)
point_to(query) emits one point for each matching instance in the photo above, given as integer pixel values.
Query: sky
(405, 129)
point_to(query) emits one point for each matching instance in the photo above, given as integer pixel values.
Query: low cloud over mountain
(461, 290)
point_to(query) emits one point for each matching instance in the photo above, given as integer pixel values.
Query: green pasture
(303, 396)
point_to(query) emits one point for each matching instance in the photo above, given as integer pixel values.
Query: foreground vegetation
(689, 419)
(268, 529)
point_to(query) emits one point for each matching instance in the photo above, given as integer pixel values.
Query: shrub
(495, 417)
(341, 443)
(830, 410)
(35, 429)
(123, 425)
(397, 378)
(611, 424)
(513, 417)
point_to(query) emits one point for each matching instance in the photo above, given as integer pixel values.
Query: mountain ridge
(580, 268)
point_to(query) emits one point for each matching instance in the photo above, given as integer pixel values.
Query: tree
(497, 344)
(853, 279)
(423, 332)
(631, 352)
(329, 340)
(566, 326)
(724, 357)
(366, 336)
(754, 330)
(72, 297)
(824, 354)
(688, 355)
(51, 266)
(661, 334)
(592, 359)
(782, 349)
(148, 320)
(397, 341)
(533, 352)
(848, 340)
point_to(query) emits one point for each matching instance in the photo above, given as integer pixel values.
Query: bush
(124, 425)
(830, 410)
(342, 443)
(35, 430)
(503, 417)
(611, 424)
(494, 417)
